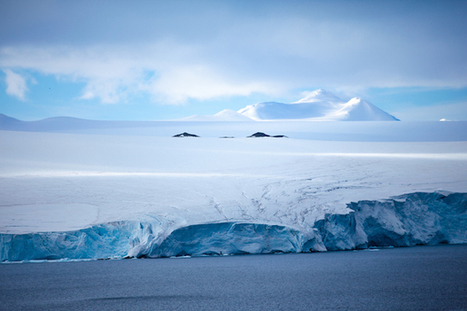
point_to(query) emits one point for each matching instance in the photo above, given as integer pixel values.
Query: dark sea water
(415, 278)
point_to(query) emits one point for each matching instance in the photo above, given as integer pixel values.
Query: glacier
(131, 191)
(420, 218)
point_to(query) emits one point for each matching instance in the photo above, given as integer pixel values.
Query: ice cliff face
(230, 239)
(101, 241)
(407, 220)
(411, 219)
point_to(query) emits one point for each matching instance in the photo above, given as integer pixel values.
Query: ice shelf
(406, 220)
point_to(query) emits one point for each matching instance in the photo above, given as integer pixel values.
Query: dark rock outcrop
(261, 134)
(185, 134)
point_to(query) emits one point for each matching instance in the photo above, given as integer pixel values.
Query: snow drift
(406, 220)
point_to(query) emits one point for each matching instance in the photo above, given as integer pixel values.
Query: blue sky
(157, 60)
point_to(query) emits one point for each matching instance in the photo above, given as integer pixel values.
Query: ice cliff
(411, 219)
(406, 220)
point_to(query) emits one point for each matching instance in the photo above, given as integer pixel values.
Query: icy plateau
(97, 190)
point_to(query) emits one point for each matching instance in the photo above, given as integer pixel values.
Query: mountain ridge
(318, 105)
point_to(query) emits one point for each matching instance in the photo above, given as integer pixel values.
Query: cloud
(177, 85)
(171, 73)
(16, 84)
(207, 50)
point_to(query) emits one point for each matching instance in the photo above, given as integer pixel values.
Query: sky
(162, 60)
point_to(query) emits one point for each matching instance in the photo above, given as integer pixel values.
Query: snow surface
(136, 191)
(374, 131)
(318, 106)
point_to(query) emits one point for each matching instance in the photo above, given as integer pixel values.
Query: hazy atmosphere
(160, 60)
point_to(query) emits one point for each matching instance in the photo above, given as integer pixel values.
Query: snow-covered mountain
(320, 106)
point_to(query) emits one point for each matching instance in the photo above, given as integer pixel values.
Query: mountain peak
(318, 105)
(319, 95)
(358, 109)
(6, 121)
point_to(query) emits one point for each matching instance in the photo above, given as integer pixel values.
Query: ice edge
(406, 220)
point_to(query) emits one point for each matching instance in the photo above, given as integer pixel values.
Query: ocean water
(413, 278)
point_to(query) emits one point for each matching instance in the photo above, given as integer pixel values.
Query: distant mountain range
(67, 124)
(317, 106)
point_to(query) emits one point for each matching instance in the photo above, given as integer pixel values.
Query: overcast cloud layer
(175, 51)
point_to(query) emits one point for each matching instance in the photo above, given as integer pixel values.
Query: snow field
(129, 193)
